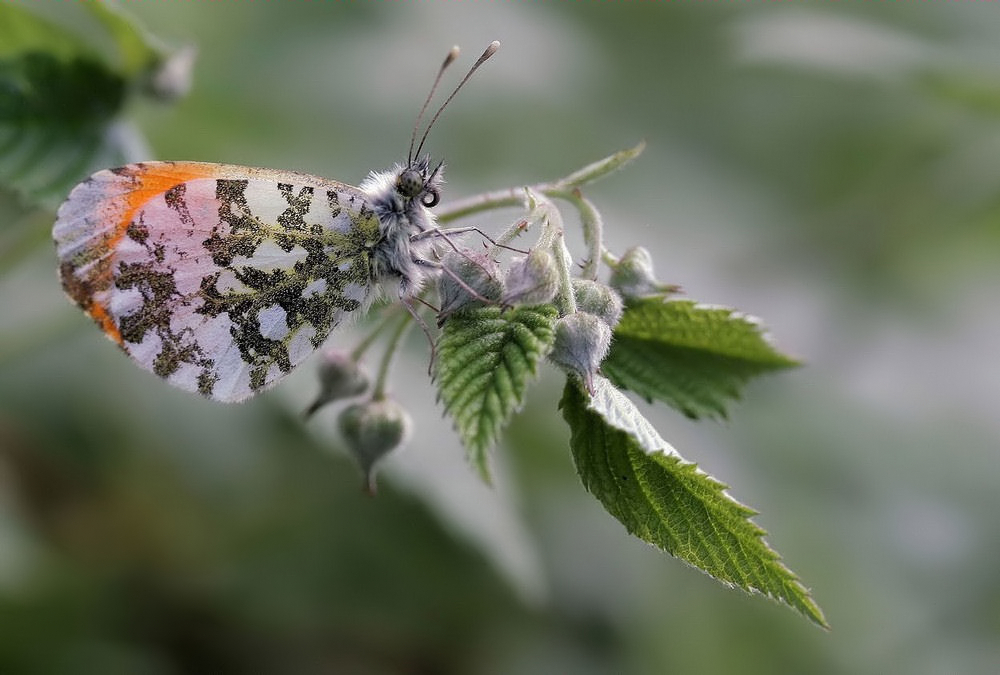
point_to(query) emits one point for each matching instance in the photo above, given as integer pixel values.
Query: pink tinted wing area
(218, 278)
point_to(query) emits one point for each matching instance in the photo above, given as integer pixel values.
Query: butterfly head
(419, 181)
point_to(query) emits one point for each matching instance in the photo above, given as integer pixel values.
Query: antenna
(448, 60)
(490, 51)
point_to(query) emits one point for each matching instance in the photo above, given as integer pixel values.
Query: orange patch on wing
(151, 181)
(104, 319)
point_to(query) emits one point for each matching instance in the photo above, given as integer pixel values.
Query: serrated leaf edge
(478, 411)
(624, 421)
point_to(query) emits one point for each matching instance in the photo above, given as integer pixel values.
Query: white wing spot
(228, 282)
(146, 351)
(315, 287)
(357, 292)
(273, 323)
(269, 256)
(125, 301)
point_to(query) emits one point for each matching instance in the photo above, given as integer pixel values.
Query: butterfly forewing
(218, 278)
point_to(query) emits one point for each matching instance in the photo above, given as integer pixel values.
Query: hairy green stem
(489, 201)
(537, 200)
(593, 228)
(369, 339)
(405, 321)
(552, 238)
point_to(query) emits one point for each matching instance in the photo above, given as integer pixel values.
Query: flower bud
(582, 341)
(532, 280)
(468, 278)
(371, 430)
(632, 276)
(595, 298)
(171, 78)
(340, 376)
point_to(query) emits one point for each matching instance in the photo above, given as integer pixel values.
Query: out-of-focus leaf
(970, 91)
(138, 52)
(60, 101)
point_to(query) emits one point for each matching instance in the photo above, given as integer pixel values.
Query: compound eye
(430, 198)
(410, 183)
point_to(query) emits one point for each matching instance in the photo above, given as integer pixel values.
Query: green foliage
(486, 359)
(691, 357)
(860, 183)
(60, 99)
(61, 102)
(642, 481)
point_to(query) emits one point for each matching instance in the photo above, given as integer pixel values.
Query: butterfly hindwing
(218, 278)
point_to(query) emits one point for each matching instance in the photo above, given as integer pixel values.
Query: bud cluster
(471, 278)
(583, 337)
(371, 429)
(468, 278)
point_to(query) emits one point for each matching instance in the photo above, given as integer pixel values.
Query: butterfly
(221, 278)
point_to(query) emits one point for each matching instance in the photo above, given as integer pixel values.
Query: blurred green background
(833, 168)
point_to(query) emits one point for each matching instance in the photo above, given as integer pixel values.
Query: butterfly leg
(446, 233)
(407, 297)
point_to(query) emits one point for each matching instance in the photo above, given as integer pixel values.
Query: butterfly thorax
(401, 199)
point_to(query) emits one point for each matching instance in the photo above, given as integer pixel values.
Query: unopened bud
(372, 430)
(595, 298)
(340, 377)
(633, 277)
(468, 278)
(582, 341)
(532, 280)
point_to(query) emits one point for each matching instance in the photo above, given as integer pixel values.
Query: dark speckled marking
(293, 218)
(157, 288)
(206, 382)
(174, 197)
(137, 232)
(238, 235)
(243, 235)
(321, 254)
(159, 292)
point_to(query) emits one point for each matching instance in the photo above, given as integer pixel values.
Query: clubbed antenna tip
(490, 50)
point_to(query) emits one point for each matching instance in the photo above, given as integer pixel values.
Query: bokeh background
(833, 168)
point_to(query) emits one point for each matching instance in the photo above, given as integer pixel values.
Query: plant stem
(593, 228)
(552, 239)
(499, 199)
(378, 392)
(369, 339)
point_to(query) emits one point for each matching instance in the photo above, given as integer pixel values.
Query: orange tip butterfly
(221, 279)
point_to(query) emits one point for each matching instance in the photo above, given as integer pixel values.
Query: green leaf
(485, 359)
(692, 357)
(642, 481)
(60, 101)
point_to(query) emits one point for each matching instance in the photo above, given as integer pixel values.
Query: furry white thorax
(400, 218)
